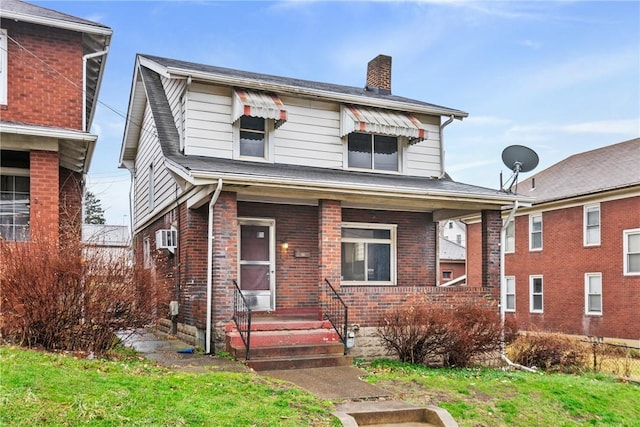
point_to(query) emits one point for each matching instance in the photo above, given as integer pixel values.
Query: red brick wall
(564, 261)
(225, 255)
(329, 241)
(491, 229)
(42, 94)
(474, 254)
(367, 305)
(44, 198)
(457, 269)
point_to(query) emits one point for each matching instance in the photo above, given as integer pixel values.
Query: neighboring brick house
(572, 259)
(452, 262)
(51, 65)
(280, 183)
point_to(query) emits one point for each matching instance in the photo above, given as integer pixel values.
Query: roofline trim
(47, 132)
(59, 23)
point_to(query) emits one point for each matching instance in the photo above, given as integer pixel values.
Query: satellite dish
(518, 158)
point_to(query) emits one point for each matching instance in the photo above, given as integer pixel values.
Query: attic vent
(167, 239)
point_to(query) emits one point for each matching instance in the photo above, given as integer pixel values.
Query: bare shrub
(61, 296)
(549, 351)
(450, 337)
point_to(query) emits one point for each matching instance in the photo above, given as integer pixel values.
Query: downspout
(503, 290)
(212, 203)
(444, 125)
(84, 83)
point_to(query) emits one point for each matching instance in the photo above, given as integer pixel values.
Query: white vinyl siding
(593, 293)
(164, 187)
(209, 131)
(309, 137)
(536, 300)
(535, 232)
(3, 67)
(591, 225)
(510, 293)
(631, 252)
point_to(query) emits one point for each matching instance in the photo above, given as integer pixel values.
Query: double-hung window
(371, 151)
(592, 225)
(510, 237)
(593, 293)
(631, 251)
(368, 253)
(14, 195)
(535, 232)
(3, 67)
(253, 137)
(535, 297)
(510, 293)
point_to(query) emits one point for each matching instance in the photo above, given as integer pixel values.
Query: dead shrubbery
(550, 352)
(62, 296)
(451, 337)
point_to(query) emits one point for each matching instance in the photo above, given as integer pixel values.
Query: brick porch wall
(44, 198)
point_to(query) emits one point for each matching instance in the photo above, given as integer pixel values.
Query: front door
(257, 262)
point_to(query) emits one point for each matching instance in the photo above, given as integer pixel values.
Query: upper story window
(14, 195)
(3, 67)
(253, 137)
(369, 253)
(592, 225)
(535, 300)
(535, 232)
(370, 151)
(593, 293)
(510, 237)
(631, 249)
(510, 292)
(255, 116)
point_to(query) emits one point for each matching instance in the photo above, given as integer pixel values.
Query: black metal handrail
(242, 318)
(335, 310)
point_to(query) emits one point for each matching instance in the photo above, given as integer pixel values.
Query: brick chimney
(379, 75)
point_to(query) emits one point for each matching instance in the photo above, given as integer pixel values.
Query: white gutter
(503, 291)
(89, 27)
(212, 203)
(84, 83)
(444, 125)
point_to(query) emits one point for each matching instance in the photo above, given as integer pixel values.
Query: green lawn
(492, 397)
(49, 389)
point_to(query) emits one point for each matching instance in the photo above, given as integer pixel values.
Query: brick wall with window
(566, 262)
(49, 95)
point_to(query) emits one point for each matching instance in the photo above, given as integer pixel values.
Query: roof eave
(57, 23)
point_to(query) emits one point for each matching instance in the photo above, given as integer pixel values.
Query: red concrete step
(273, 364)
(294, 351)
(285, 337)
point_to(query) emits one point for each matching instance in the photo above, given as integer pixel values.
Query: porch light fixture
(285, 244)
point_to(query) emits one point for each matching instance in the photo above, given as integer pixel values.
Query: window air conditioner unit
(167, 239)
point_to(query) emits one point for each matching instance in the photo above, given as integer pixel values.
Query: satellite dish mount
(518, 158)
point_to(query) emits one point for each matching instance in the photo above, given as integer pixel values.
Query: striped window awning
(258, 104)
(384, 122)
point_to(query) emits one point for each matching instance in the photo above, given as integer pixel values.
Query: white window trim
(508, 250)
(506, 293)
(402, 162)
(146, 252)
(625, 250)
(4, 81)
(531, 294)
(531, 218)
(586, 294)
(269, 149)
(585, 224)
(393, 228)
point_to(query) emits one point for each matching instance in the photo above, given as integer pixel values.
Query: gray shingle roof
(9, 8)
(451, 251)
(608, 168)
(296, 83)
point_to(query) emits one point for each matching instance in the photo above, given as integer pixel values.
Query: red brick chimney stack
(379, 75)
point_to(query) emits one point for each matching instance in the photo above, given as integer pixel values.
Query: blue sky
(559, 77)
